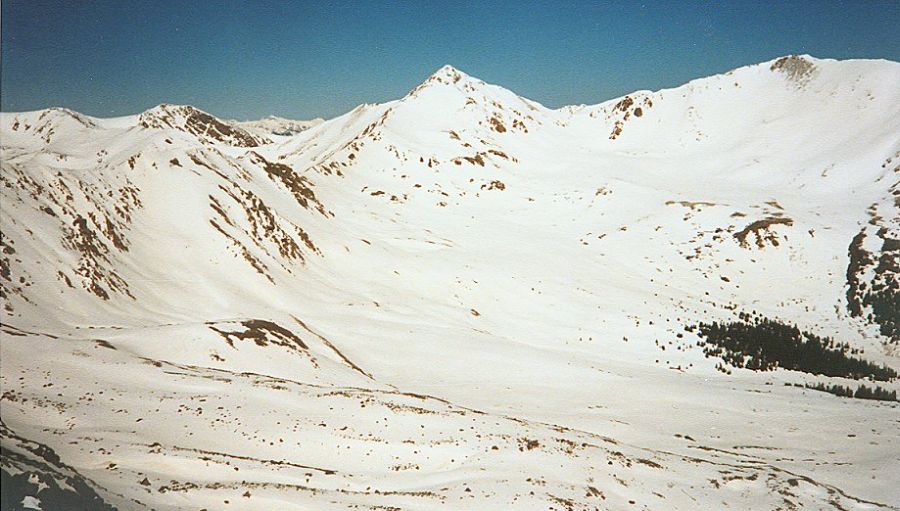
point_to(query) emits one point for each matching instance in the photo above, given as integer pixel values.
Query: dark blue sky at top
(247, 59)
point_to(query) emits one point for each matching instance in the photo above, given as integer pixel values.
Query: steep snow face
(459, 299)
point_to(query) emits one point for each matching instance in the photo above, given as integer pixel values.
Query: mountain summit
(199, 123)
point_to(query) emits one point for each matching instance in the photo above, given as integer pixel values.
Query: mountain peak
(447, 76)
(166, 115)
(449, 73)
(167, 109)
(192, 120)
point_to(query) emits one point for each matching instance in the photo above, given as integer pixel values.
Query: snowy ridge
(459, 299)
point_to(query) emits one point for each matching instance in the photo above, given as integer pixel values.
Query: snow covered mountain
(460, 299)
(273, 125)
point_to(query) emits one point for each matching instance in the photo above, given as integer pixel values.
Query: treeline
(762, 344)
(863, 392)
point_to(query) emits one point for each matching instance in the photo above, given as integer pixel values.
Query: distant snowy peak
(692, 116)
(274, 125)
(452, 85)
(200, 124)
(447, 76)
(456, 119)
(46, 123)
(451, 103)
(52, 115)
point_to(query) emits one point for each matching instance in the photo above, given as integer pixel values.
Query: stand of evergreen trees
(863, 392)
(761, 344)
(884, 297)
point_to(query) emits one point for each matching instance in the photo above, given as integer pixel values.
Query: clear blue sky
(246, 59)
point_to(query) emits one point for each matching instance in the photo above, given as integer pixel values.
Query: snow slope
(460, 299)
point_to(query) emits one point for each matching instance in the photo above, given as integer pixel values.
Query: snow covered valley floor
(460, 300)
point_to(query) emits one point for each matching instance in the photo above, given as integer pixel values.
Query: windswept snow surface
(460, 299)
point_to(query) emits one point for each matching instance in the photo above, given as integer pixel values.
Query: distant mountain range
(273, 125)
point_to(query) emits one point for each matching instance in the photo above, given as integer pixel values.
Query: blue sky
(247, 59)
